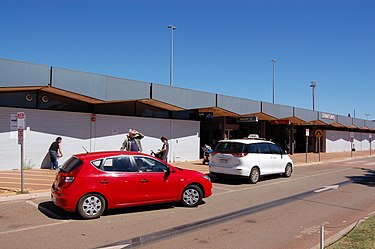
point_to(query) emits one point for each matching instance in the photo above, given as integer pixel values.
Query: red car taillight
(239, 154)
(65, 180)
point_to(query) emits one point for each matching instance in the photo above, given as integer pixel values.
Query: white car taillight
(69, 179)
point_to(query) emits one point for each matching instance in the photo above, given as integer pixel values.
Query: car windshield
(229, 147)
(71, 164)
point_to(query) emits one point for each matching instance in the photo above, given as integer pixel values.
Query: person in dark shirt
(163, 153)
(55, 152)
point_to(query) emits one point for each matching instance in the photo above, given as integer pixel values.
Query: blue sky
(220, 46)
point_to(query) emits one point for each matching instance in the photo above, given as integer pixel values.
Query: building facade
(94, 112)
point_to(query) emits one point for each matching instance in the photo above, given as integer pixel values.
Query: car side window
(119, 164)
(264, 148)
(251, 148)
(97, 163)
(147, 164)
(275, 149)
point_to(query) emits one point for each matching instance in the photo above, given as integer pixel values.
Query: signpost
(369, 137)
(319, 134)
(351, 143)
(307, 141)
(21, 126)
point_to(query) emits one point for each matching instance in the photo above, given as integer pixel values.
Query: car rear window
(71, 164)
(227, 147)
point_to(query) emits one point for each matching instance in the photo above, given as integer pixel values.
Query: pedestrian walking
(55, 152)
(132, 141)
(163, 152)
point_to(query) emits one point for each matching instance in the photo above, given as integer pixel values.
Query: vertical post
(370, 136)
(172, 28)
(273, 81)
(22, 167)
(307, 141)
(313, 85)
(321, 237)
(307, 144)
(319, 147)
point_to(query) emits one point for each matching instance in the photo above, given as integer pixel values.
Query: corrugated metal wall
(77, 130)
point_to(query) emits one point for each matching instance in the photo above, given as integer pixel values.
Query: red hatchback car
(90, 183)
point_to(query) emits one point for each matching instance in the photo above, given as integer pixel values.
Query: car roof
(245, 141)
(101, 154)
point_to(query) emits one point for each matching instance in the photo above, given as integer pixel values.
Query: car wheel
(192, 196)
(91, 206)
(254, 175)
(288, 170)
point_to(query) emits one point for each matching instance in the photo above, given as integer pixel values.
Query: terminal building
(94, 112)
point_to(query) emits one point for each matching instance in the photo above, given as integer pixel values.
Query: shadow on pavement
(367, 179)
(50, 210)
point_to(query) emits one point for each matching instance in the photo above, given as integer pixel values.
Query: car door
(278, 162)
(265, 158)
(120, 180)
(158, 183)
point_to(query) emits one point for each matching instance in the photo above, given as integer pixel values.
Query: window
(275, 149)
(146, 164)
(228, 147)
(71, 164)
(251, 148)
(264, 148)
(97, 163)
(119, 164)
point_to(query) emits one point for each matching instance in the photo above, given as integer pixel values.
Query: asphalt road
(276, 212)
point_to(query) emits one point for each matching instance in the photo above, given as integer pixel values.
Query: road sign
(318, 133)
(20, 136)
(307, 132)
(21, 120)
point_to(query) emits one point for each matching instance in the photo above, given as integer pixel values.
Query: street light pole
(273, 80)
(313, 85)
(172, 28)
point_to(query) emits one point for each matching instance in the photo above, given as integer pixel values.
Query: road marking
(45, 210)
(228, 189)
(35, 227)
(28, 183)
(115, 247)
(369, 164)
(325, 188)
(194, 226)
(274, 183)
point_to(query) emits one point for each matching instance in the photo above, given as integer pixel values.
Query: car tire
(191, 196)
(254, 175)
(288, 170)
(91, 206)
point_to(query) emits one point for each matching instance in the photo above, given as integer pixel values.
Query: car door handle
(144, 180)
(104, 181)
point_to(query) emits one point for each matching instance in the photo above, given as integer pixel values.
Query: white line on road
(115, 247)
(45, 210)
(325, 188)
(34, 227)
(369, 164)
(274, 183)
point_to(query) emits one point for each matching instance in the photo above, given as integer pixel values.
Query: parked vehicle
(90, 183)
(251, 158)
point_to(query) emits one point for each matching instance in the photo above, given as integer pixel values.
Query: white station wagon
(249, 158)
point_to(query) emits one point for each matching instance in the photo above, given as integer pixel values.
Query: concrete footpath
(37, 182)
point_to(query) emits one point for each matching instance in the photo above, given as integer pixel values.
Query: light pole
(313, 85)
(172, 28)
(367, 114)
(273, 80)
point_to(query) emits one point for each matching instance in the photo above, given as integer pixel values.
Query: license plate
(223, 160)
